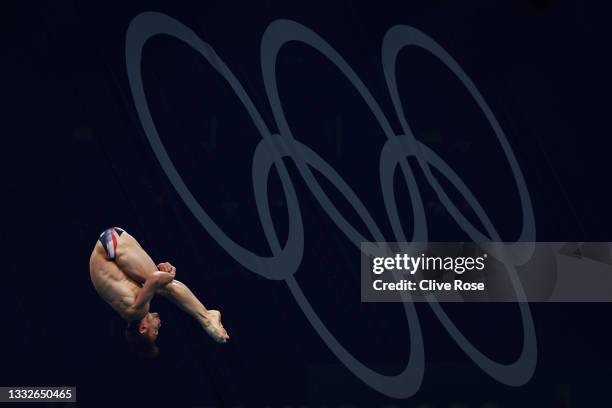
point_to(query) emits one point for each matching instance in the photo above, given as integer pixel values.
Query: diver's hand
(166, 267)
(163, 278)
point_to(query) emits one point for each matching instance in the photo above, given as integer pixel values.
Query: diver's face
(150, 326)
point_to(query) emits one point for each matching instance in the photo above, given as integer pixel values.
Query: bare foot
(212, 325)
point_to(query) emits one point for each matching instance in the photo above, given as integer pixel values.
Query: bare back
(112, 284)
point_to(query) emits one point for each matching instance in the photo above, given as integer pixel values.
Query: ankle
(204, 317)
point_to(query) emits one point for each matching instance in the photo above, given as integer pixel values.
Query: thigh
(132, 259)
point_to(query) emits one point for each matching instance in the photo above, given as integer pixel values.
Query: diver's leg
(210, 320)
(133, 259)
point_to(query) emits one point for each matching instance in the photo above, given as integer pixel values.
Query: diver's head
(141, 335)
(149, 326)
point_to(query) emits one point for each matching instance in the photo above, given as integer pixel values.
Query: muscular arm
(157, 280)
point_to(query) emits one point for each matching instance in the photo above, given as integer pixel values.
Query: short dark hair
(139, 344)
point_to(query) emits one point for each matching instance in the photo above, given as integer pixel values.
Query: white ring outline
(283, 263)
(522, 369)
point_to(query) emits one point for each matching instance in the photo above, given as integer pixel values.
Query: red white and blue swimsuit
(108, 239)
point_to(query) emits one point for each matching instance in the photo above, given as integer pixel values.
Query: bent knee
(169, 289)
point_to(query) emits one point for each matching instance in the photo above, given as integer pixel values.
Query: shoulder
(133, 314)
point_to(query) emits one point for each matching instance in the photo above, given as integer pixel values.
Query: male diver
(126, 277)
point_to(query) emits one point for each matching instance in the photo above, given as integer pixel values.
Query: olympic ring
(399, 37)
(276, 35)
(272, 148)
(145, 26)
(408, 381)
(522, 369)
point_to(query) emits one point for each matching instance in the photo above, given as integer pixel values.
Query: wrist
(157, 279)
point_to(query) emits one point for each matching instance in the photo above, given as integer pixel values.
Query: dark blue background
(76, 161)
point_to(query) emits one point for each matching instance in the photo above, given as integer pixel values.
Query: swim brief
(108, 239)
